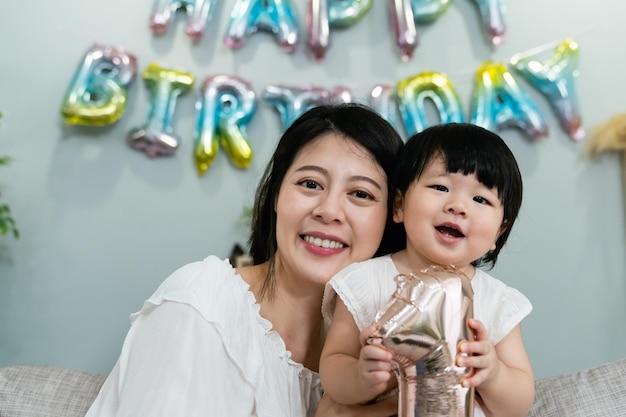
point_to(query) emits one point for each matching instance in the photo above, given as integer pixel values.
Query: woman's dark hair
(356, 122)
(468, 149)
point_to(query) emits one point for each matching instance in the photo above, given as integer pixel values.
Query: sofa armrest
(597, 392)
(46, 391)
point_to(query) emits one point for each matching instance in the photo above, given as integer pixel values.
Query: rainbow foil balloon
(156, 137)
(97, 93)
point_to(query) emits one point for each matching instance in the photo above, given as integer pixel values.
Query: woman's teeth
(324, 243)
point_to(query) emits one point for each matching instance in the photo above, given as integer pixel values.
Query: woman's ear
(398, 211)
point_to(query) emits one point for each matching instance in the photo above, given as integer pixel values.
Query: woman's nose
(330, 208)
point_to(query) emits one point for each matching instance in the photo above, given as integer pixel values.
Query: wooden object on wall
(610, 136)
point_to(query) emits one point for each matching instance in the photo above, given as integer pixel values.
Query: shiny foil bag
(422, 324)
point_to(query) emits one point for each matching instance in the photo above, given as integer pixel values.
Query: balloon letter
(383, 99)
(406, 13)
(498, 102)
(275, 16)
(341, 94)
(156, 136)
(555, 79)
(324, 14)
(403, 24)
(291, 102)
(224, 108)
(492, 14)
(97, 94)
(412, 93)
(198, 14)
(427, 11)
(422, 325)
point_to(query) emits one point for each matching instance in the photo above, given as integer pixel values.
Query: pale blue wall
(102, 225)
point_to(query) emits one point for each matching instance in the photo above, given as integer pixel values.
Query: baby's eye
(439, 188)
(309, 184)
(481, 200)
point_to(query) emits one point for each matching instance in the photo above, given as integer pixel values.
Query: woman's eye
(309, 184)
(363, 194)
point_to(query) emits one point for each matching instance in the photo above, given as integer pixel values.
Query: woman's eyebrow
(312, 168)
(352, 178)
(366, 179)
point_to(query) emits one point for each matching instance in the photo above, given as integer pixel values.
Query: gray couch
(43, 391)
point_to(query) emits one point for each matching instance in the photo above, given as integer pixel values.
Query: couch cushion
(46, 391)
(595, 392)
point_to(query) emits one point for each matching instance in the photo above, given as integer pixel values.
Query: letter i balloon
(156, 137)
(98, 91)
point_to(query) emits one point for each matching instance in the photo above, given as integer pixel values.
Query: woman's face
(331, 209)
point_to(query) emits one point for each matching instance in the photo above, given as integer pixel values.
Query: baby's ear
(398, 212)
(503, 227)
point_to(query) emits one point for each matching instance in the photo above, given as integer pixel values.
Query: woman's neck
(294, 311)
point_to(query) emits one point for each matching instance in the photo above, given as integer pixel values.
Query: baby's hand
(479, 354)
(374, 363)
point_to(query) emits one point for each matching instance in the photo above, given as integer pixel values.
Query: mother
(218, 341)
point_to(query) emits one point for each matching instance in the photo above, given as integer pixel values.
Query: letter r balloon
(225, 106)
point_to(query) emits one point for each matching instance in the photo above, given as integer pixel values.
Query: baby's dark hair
(468, 149)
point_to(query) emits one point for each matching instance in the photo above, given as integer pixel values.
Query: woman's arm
(502, 374)
(351, 373)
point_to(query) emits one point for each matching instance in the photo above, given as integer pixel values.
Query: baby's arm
(352, 373)
(502, 374)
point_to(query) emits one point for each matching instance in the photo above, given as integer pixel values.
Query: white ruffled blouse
(199, 347)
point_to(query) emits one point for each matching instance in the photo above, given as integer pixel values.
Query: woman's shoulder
(200, 282)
